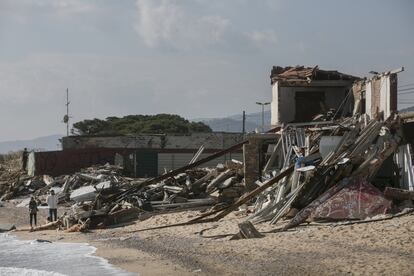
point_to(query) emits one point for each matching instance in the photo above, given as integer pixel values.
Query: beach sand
(377, 248)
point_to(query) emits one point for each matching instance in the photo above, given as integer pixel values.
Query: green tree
(136, 124)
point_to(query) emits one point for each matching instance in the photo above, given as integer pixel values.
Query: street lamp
(263, 106)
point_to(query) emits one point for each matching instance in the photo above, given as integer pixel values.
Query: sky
(195, 58)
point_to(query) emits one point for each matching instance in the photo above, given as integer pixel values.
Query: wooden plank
(400, 194)
(247, 231)
(160, 178)
(225, 210)
(244, 199)
(219, 179)
(172, 173)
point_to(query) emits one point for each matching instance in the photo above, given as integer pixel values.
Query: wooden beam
(179, 170)
(226, 210)
(245, 198)
(400, 194)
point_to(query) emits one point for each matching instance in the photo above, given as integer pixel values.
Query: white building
(299, 93)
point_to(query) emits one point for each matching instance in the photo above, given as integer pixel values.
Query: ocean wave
(16, 271)
(59, 258)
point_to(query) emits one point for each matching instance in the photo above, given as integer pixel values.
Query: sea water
(33, 258)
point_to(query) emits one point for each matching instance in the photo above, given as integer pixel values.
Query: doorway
(308, 105)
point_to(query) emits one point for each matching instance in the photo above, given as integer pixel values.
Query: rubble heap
(194, 188)
(317, 171)
(13, 180)
(346, 173)
(329, 171)
(93, 192)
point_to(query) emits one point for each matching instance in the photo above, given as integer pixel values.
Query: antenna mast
(66, 117)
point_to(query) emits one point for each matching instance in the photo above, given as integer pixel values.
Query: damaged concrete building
(377, 96)
(300, 93)
(146, 155)
(303, 97)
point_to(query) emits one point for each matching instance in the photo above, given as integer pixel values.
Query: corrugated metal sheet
(402, 158)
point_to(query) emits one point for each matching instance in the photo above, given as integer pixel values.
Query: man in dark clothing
(33, 212)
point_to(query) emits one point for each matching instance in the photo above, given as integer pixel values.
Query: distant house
(299, 93)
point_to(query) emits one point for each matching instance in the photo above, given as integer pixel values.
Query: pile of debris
(94, 192)
(192, 188)
(349, 169)
(106, 204)
(13, 180)
(336, 177)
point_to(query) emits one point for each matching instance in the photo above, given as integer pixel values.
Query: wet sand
(377, 248)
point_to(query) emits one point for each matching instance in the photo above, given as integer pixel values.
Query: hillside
(234, 123)
(408, 109)
(50, 142)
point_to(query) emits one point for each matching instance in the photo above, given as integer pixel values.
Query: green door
(146, 163)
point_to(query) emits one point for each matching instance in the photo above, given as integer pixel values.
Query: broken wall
(73, 160)
(217, 140)
(284, 100)
(379, 95)
(56, 163)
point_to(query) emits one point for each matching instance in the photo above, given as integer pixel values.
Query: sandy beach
(377, 248)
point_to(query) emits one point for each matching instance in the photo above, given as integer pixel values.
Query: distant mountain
(234, 123)
(45, 143)
(408, 109)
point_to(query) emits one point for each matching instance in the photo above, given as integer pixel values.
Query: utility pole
(263, 106)
(66, 117)
(244, 122)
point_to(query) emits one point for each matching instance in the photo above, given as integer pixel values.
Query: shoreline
(129, 260)
(363, 249)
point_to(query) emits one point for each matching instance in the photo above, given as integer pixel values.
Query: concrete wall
(274, 107)
(284, 104)
(218, 140)
(381, 96)
(171, 161)
(70, 161)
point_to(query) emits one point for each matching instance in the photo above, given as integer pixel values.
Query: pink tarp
(358, 200)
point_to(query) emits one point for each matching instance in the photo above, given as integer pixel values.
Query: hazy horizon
(198, 59)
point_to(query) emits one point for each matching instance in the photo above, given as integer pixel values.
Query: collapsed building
(300, 93)
(343, 129)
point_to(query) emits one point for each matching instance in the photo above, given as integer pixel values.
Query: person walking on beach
(52, 202)
(33, 212)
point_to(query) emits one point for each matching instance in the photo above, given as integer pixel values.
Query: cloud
(165, 22)
(274, 5)
(65, 6)
(263, 38)
(49, 7)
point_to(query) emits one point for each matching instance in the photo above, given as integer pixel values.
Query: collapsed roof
(308, 74)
